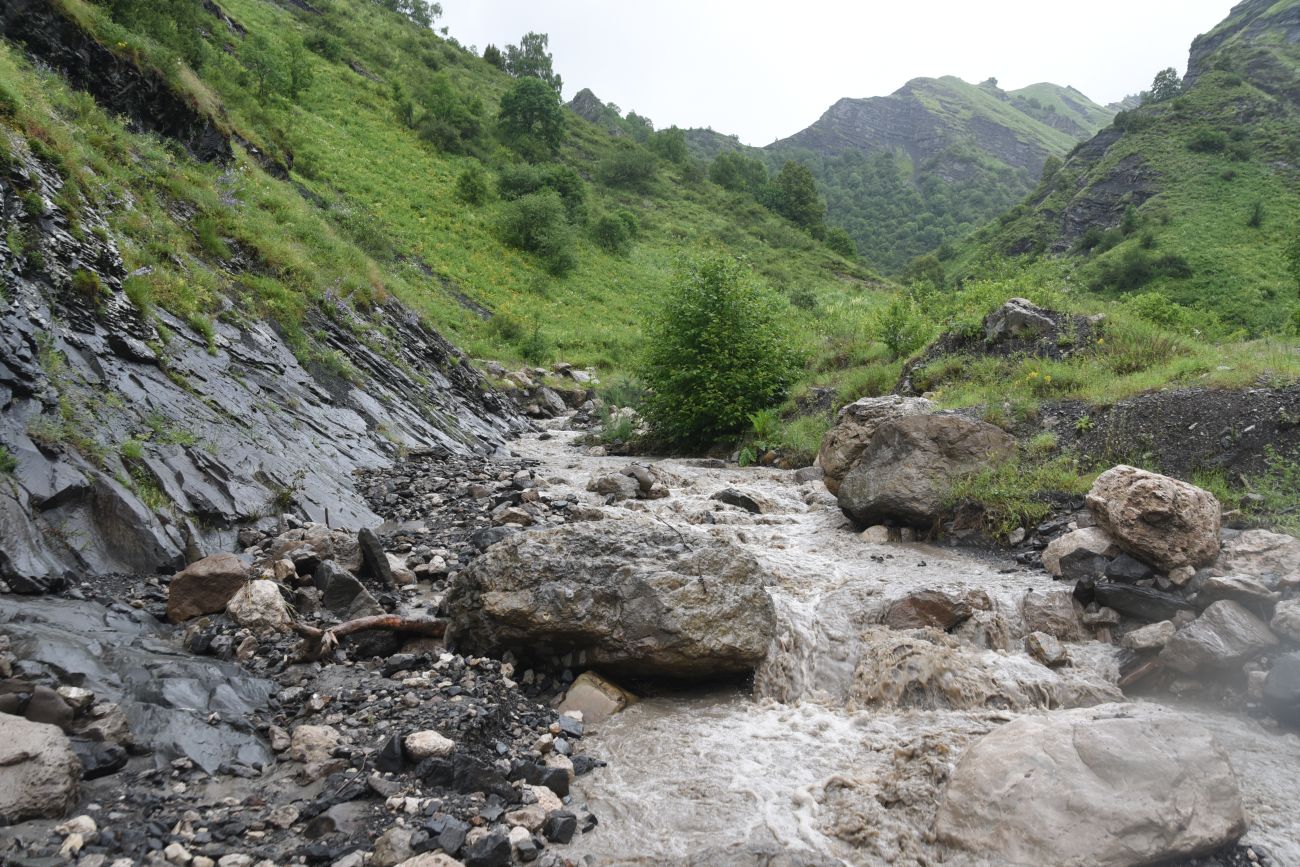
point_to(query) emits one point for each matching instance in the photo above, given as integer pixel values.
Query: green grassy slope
(369, 208)
(1195, 200)
(1061, 107)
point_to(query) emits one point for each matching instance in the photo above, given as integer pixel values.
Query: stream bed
(841, 749)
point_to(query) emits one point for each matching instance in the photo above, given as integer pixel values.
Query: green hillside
(386, 173)
(925, 166)
(1194, 198)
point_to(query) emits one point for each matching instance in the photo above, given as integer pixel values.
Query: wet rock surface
(631, 596)
(1115, 785)
(902, 475)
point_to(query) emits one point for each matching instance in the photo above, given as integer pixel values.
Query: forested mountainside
(1194, 195)
(922, 167)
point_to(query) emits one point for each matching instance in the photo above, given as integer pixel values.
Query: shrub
(627, 166)
(902, 327)
(516, 181)
(472, 186)
(612, 234)
(8, 463)
(1256, 218)
(1204, 140)
(717, 352)
(536, 224)
(841, 242)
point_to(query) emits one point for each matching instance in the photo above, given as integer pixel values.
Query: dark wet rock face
(165, 693)
(115, 82)
(226, 436)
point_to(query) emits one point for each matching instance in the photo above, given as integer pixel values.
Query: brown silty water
(852, 728)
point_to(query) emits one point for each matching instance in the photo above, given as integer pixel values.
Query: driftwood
(318, 642)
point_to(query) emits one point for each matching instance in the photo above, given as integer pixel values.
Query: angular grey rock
(1159, 520)
(1286, 619)
(904, 473)
(854, 427)
(637, 597)
(1017, 318)
(1110, 786)
(1153, 636)
(1054, 612)
(1224, 636)
(1282, 688)
(39, 772)
(374, 561)
(1046, 649)
(1259, 554)
(1091, 539)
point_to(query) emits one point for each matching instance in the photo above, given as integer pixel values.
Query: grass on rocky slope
(1222, 159)
(370, 210)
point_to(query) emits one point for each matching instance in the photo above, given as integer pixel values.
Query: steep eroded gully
(852, 728)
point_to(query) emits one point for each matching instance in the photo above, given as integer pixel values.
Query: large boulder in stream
(631, 597)
(1111, 786)
(39, 772)
(1162, 521)
(905, 472)
(855, 426)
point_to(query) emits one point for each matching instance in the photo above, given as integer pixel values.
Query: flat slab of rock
(631, 596)
(1110, 786)
(205, 587)
(1259, 554)
(1225, 635)
(905, 472)
(596, 698)
(1094, 540)
(854, 427)
(39, 772)
(1162, 521)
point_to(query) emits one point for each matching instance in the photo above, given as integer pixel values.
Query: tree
(738, 173)
(670, 144)
(531, 119)
(493, 55)
(448, 120)
(300, 71)
(530, 59)
(924, 270)
(639, 127)
(1166, 85)
(797, 198)
(265, 64)
(717, 352)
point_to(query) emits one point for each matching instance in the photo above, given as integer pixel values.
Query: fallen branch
(318, 642)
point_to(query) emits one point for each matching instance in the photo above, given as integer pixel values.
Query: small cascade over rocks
(887, 663)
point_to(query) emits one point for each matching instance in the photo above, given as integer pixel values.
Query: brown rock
(1162, 521)
(905, 472)
(1056, 613)
(855, 426)
(927, 608)
(205, 587)
(596, 698)
(1224, 636)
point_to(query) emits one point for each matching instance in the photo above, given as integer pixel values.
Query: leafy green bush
(614, 234)
(472, 186)
(628, 166)
(841, 242)
(1205, 140)
(8, 463)
(536, 223)
(516, 181)
(717, 352)
(902, 327)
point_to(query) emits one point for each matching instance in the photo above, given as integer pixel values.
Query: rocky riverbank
(807, 695)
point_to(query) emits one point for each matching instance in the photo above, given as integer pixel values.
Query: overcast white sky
(766, 69)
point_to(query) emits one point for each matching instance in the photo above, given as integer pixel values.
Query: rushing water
(842, 750)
